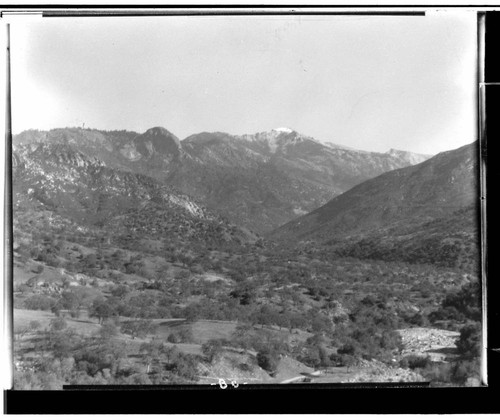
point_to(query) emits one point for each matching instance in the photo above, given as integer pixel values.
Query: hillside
(82, 191)
(407, 214)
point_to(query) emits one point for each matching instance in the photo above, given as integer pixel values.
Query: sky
(371, 83)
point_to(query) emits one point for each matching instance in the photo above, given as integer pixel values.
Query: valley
(143, 259)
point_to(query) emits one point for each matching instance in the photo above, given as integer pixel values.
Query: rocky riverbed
(437, 344)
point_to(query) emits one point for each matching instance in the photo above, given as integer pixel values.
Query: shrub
(464, 370)
(415, 362)
(58, 324)
(347, 360)
(461, 304)
(102, 310)
(469, 343)
(39, 302)
(314, 355)
(267, 360)
(38, 269)
(139, 328)
(212, 349)
(95, 359)
(63, 342)
(186, 334)
(34, 325)
(186, 367)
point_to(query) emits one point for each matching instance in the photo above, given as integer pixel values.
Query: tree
(152, 352)
(119, 291)
(185, 259)
(143, 305)
(265, 315)
(140, 328)
(415, 362)
(284, 320)
(185, 334)
(242, 336)
(469, 343)
(71, 302)
(347, 360)
(62, 342)
(321, 324)
(352, 348)
(56, 308)
(192, 312)
(212, 349)
(464, 303)
(39, 302)
(101, 310)
(108, 330)
(38, 269)
(170, 353)
(90, 261)
(464, 370)
(58, 324)
(267, 360)
(94, 359)
(244, 292)
(297, 321)
(186, 367)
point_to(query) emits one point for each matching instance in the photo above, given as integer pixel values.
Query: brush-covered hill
(83, 191)
(423, 213)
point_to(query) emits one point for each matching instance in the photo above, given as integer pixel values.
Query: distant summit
(279, 140)
(158, 140)
(414, 158)
(283, 129)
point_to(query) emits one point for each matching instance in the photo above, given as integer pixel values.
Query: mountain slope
(259, 181)
(400, 212)
(56, 178)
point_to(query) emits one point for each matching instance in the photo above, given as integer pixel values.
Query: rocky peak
(412, 158)
(279, 139)
(157, 140)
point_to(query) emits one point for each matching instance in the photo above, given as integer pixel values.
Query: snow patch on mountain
(278, 139)
(283, 130)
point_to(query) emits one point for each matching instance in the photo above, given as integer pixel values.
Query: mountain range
(258, 181)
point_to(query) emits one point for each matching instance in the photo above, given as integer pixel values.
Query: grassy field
(228, 368)
(83, 325)
(87, 327)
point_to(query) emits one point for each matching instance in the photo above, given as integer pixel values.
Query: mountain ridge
(259, 181)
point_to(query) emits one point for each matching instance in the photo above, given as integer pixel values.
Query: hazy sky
(371, 83)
